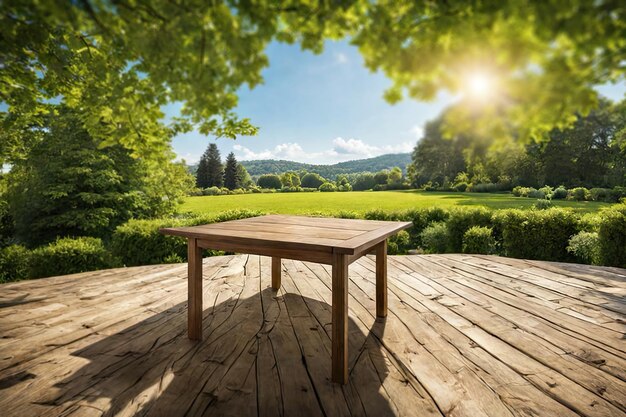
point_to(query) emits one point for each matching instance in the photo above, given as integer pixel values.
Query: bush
(69, 256)
(399, 244)
(461, 219)
(539, 194)
(578, 194)
(212, 191)
(421, 219)
(14, 263)
(547, 191)
(612, 236)
(7, 228)
(345, 214)
(344, 187)
(311, 180)
(559, 193)
(536, 234)
(327, 187)
(479, 239)
(435, 238)
(543, 204)
(290, 189)
(270, 181)
(585, 246)
(380, 187)
(460, 187)
(485, 188)
(604, 194)
(138, 242)
(522, 191)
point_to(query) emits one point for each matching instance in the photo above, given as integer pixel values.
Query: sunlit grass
(360, 202)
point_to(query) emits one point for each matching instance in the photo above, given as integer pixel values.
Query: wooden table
(336, 242)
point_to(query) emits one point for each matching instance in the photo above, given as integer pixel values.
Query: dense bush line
(552, 234)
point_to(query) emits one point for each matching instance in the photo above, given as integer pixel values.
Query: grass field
(362, 201)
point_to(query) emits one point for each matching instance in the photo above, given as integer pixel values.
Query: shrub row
(64, 256)
(552, 234)
(576, 194)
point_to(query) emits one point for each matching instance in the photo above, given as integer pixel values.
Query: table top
(321, 234)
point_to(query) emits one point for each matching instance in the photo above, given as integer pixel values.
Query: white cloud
(353, 146)
(341, 58)
(417, 131)
(341, 150)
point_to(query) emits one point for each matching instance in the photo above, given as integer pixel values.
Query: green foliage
(312, 180)
(69, 256)
(138, 242)
(378, 163)
(70, 186)
(559, 193)
(461, 220)
(290, 179)
(381, 177)
(536, 234)
(7, 225)
(14, 263)
(365, 181)
(399, 244)
(210, 172)
(579, 194)
(231, 173)
(612, 236)
(269, 181)
(479, 239)
(421, 218)
(435, 238)
(543, 204)
(328, 187)
(585, 246)
(343, 184)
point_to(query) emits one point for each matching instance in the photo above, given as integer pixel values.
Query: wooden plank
(340, 319)
(326, 222)
(255, 249)
(381, 279)
(276, 271)
(194, 288)
(367, 240)
(297, 231)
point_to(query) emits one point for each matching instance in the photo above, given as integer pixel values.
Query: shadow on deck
(465, 336)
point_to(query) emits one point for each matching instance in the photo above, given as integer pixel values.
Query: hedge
(536, 234)
(138, 242)
(69, 256)
(612, 236)
(14, 263)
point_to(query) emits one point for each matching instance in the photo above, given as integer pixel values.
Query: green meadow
(362, 201)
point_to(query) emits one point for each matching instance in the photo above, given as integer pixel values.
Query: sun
(479, 85)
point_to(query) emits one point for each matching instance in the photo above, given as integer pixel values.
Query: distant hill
(271, 166)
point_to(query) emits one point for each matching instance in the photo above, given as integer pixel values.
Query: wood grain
(465, 336)
(340, 318)
(194, 290)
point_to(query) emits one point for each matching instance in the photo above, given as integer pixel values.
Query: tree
(231, 173)
(245, 181)
(395, 176)
(343, 184)
(70, 187)
(365, 181)
(381, 177)
(269, 181)
(312, 180)
(131, 58)
(215, 169)
(290, 179)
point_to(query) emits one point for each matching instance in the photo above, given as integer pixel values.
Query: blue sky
(320, 109)
(324, 109)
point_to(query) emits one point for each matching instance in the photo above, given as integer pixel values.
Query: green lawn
(361, 201)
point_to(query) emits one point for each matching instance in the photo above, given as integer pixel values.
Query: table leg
(276, 269)
(340, 318)
(381, 279)
(194, 290)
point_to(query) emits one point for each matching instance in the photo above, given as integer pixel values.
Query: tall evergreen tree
(202, 173)
(210, 171)
(231, 173)
(216, 169)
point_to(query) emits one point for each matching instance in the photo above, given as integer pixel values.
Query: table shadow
(255, 352)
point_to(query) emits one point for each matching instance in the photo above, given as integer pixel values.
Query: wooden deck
(465, 336)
